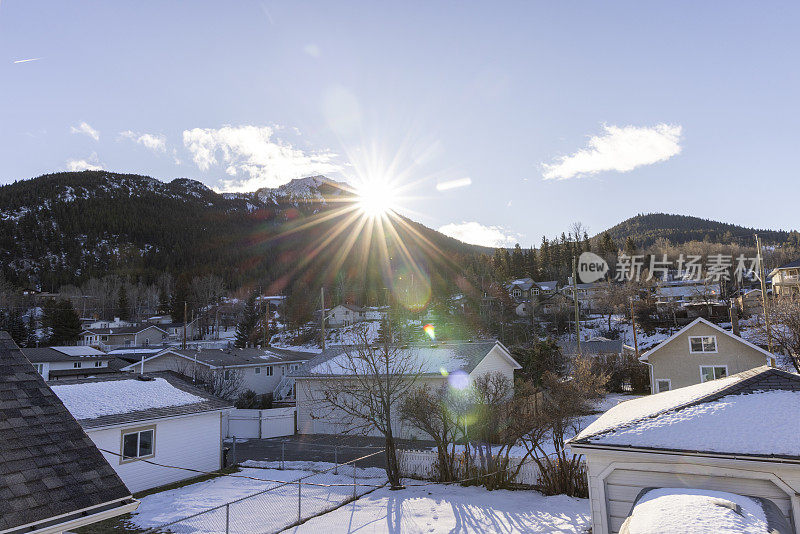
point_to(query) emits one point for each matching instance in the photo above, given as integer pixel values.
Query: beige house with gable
(699, 352)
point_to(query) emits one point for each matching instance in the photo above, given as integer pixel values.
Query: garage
(737, 434)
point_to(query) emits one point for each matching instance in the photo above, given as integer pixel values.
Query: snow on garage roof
(103, 401)
(745, 414)
(79, 351)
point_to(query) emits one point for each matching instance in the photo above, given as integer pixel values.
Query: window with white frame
(663, 384)
(712, 372)
(77, 365)
(268, 370)
(138, 443)
(258, 370)
(98, 363)
(517, 292)
(39, 368)
(702, 344)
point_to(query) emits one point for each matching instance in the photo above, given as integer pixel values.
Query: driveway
(320, 448)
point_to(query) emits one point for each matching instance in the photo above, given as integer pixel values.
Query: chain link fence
(286, 503)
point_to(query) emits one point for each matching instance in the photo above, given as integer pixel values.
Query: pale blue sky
(704, 97)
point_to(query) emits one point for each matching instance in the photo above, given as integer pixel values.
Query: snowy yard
(429, 508)
(453, 509)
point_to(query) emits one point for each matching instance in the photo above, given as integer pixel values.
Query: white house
(345, 315)
(738, 434)
(259, 370)
(158, 417)
(58, 363)
(127, 336)
(456, 364)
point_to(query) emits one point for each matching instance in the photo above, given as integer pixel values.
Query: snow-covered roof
(437, 359)
(79, 351)
(750, 413)
(550, 285)
(95, 402)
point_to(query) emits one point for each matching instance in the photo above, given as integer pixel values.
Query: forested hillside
(65, 228)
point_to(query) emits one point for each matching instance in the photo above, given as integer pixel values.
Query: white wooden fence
(422, 464)
(251, 424)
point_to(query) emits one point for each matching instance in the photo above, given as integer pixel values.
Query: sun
(376, 198)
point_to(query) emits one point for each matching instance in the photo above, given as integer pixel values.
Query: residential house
(127, 336)
(786, 279)
(749, 301)
(525, 289)
(590, 296)
(345, 315)
(456, 364)
(89, 324)
(699, 352)
(52, 477)
(259, 370)
(57, 363)
(175, 330)
(736, 434)
(159, 418)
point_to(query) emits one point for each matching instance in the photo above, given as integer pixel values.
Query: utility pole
(322, 317)
(184, 324)
(635, 339)
(575, 302)
(764, 303)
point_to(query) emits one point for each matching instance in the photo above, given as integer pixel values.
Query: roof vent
(145, 378)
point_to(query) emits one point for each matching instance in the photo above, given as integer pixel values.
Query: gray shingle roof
(471, 353)
(48, 465)
(122, 329)
(248, 356)
(49, 354)
(209, 403)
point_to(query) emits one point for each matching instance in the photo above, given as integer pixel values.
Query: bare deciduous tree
(223, 383)
(369, 384)
(784, 329)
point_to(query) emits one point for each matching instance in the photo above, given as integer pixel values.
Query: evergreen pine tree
(179, 298)
(163, 302)
(65, 325)
(123, 306)
(244, 330)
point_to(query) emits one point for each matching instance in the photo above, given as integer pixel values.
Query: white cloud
(253, 158)
(453, 184)
(156, 143)
(479, 234)
(84, 128)
(27, 60)
(89, 164)
(312, 50)
(619, 149)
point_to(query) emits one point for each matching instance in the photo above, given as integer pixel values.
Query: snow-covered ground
(268, 512)
(452, 509)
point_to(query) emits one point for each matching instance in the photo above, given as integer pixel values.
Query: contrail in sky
(27, 60)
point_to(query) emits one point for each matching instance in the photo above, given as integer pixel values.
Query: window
(712, 372)
(77, 365)
(98, 363)
(702, 344)
(535, 291)
(258, 370)
(39, 368)
(268, 371)
(517, 292)
(663, 384)
(138, 444)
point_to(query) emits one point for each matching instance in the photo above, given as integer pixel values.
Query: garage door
(623, 485)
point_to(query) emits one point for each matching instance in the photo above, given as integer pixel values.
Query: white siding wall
(492, 363)
(616, 478)
(192, 441)
(313, 417)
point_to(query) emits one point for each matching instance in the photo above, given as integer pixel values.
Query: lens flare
(458, 380)
(430, 330)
